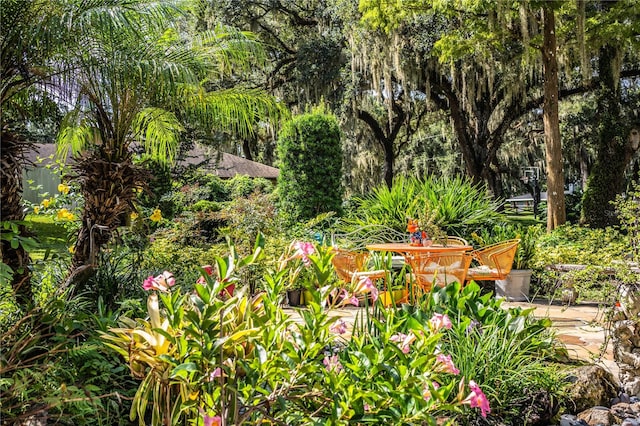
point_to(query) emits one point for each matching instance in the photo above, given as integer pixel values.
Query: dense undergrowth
(54, 358)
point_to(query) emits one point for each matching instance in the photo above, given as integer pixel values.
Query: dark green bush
(310, 160)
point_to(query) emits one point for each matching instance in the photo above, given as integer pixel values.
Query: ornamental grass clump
(507, 350)
(212, 356)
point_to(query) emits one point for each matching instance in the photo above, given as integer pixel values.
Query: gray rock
(630, 422)
(571, 420)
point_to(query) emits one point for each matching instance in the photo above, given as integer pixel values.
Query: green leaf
(183, 370)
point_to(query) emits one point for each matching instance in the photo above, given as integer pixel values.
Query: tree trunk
(246, 149)
(556, 214)
(385, 136)
(11, 209)
(108, 189)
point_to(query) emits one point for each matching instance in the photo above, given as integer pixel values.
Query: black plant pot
(294, 297)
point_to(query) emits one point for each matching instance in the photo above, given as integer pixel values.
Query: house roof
(221, 164)
(227, 165)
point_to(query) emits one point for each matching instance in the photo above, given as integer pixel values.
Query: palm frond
(76, 134)
(159, 130)
(236, 110)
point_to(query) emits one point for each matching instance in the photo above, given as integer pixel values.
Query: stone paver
(580, 327)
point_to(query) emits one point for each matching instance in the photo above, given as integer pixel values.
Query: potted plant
(516, 286)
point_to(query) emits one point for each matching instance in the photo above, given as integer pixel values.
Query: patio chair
(494, 261)
(352, 266)
(456, 241)
(440, 269)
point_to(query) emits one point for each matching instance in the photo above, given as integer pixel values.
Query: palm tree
(32, 33)
(136, 82)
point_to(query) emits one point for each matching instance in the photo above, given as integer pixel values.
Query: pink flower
(148, 283)
(365, 285)
(161, 283)
(404, 341)
(439, 321)
(209, 270)
(477, 399)
(339, 327)
(426, 393)
(447, 364)
(303, 250)
(332, 363)
(367, 407)
(348, 299)
(211, 420)
(215, 373)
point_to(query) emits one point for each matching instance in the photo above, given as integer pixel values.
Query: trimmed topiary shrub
(310, 159)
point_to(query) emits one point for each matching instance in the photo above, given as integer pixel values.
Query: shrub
(54, 369)
(242, 186)
(310, 161)
(184, 260)
(581, 245)
(206, 206)
(572, 244)
(455, 205)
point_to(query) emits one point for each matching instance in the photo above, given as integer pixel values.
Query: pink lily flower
(477, 399)
(426, 393)
(404, 341)
(211, 420)
(303, 250)
(161, 283)
(365, 285)
(447, 364)
(439, 321)
(348, 298)
(332, 363)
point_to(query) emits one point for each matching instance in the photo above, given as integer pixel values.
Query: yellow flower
(63, 189)
(36, 209)
(156, 216)
(72, 249)
(46, 202)
(134, 216)
(64, 214)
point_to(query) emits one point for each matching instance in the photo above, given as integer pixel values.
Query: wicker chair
(456, 241)
(494, 261)
(351, 266)
(439, 269)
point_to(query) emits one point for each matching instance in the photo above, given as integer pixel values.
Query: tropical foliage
(136, 85)
(455, 205)
(212, 354)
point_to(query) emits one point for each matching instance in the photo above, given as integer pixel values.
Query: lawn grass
(525, 219)
(52, 236)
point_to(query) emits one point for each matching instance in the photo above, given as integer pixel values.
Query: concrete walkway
(580, 327)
